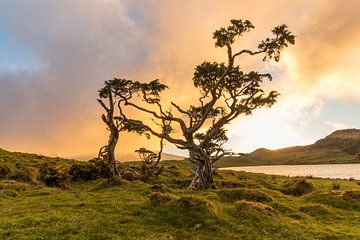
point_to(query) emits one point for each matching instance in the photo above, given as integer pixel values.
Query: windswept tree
(226, 92)
(110, 98)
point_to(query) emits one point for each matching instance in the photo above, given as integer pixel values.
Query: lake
(344, 171)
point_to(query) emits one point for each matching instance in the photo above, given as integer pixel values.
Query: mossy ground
(244, 206)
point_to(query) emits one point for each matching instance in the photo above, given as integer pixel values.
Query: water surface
(344, 171)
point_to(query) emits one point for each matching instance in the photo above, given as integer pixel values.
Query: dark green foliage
(131, 174)
(227, 36)
(335, 186)
(273, 46)
(24, 174)
(233, 195)
(297, 187)
(206, 75)
(4, 170)
(91, 170)
(54, 175)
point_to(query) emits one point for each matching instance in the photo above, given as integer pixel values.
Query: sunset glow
(57, 54)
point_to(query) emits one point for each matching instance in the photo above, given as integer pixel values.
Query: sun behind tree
(226, 93)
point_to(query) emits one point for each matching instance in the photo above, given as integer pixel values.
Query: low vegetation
(242, 206)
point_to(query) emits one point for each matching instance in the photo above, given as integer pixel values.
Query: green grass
(244, 206)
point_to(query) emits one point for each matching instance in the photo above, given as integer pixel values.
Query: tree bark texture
(203, 172)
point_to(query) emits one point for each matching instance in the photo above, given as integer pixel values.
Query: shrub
(131, 175)
(335, 186)
(53, 175)
(298, 187)
(244, 194)
(351, 195)
(4, 170)
(85, 171)
(255, 207)
(24, 174)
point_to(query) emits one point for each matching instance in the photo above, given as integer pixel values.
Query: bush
(335, 186)
(4, 170)
(130, 175)
(24, 174)
(54, 176)
(244, 194)
(298, 187)
(86, 171)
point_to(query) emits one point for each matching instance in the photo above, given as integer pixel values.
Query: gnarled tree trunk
(203, 172)
(110, 149)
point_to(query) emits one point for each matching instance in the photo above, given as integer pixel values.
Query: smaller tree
(150, 162)
(113, 93)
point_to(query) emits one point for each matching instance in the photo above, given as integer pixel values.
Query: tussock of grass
(297, 187)
(257, 207)
(314, 210)
(349, 199)
(184, 203)
(233, 195)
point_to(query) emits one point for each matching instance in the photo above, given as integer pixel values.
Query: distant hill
(168, 156)
(342, 146)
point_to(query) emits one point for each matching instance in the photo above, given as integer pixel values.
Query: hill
(342, 146)
(243, 206)
(169, 156)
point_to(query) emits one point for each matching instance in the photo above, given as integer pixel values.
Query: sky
(55, 55)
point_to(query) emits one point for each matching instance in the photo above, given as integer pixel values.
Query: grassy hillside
(244, 206)
(342, 146)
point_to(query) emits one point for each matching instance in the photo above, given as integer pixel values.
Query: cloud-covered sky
(55, 55)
